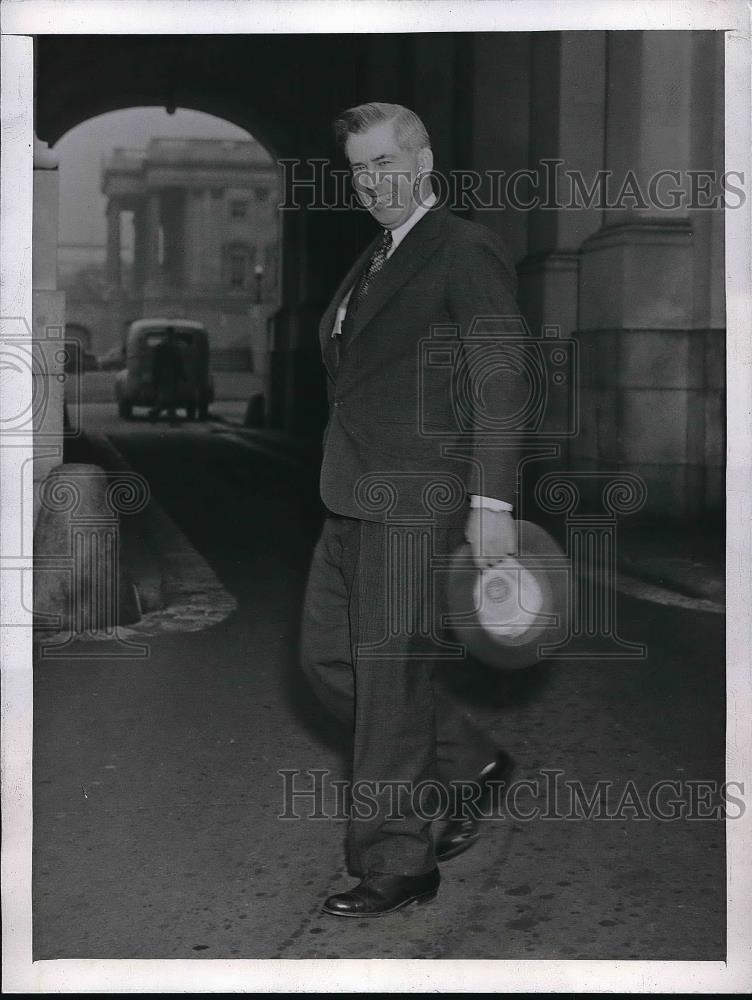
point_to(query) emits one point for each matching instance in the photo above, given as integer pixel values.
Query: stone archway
(255, 83)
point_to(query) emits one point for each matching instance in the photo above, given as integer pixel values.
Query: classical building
(205, 221)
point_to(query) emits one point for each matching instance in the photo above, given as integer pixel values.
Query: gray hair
(409, 130)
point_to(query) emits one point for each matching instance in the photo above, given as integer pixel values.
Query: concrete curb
(166, 567)
(78, 525)
(138, 559)
(194, 597)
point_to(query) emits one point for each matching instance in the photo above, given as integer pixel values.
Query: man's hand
(492, 534)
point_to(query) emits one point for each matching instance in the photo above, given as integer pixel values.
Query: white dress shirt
(398, 235)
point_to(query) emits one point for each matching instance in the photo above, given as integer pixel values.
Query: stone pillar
(642, 394)
(568, 94)
(567, 106)
(194, 272)
(212, 249)
(48, 318)
(114, 270)
(708, 278)
(501, 129)
(297, 388)
(173, 228)
(140, 247)
(153, 270)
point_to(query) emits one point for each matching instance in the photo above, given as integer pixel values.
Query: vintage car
(192, 387)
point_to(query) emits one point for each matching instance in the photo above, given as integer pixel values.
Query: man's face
(384, 174)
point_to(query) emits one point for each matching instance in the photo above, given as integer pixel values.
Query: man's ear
(425, 159)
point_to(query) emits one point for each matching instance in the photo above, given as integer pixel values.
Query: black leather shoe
(379, 894)
(461, 833)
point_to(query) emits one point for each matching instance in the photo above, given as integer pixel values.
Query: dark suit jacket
(422, 403)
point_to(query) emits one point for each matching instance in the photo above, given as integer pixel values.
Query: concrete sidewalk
(160, 788)
(687, 558)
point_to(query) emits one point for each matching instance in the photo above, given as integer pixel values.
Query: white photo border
(22, 19)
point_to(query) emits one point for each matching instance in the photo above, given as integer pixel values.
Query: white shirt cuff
(490, 503)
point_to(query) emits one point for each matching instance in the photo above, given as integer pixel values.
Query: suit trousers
(376, 654)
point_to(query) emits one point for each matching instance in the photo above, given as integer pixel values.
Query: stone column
(642, 388)
(501, 129)
(212, 250)
(297, 388)
(568, 95)
(173, 229)
(708, 279)
(48, 330)
(193, 239)
(114, 270)
(139, 249)
(567, 105)
(153, 270)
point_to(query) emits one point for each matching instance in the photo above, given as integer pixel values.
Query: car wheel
(190, 411)
(203, 411)
(125, 410)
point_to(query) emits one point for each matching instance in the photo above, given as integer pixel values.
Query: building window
(238, 264)
(238, 209)
(238, 261)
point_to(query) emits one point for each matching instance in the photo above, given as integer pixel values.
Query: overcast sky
(82, 207)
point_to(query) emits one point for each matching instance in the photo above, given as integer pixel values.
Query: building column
(500, 113)
(568, 94)
(139, 248)
(48, 318)
(567, 104)
(642, 361)
(114, 268)
(173, 227)
(212, 205)
(708, 279)
(193, 236)
(153, 269)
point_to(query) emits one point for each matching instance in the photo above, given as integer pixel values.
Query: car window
(154, 337)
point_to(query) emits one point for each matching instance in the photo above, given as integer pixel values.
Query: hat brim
(539, 554)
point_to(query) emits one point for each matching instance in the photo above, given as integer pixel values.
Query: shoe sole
(459, 849)
(425, 897)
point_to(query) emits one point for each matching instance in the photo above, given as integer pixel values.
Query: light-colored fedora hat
(509, 616)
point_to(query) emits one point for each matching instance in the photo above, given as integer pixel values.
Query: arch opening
(172, 215)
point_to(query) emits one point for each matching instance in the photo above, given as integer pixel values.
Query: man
(404, 485)
(167, 371)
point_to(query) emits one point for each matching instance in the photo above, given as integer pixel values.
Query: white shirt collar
(400, 232)
(398, 235)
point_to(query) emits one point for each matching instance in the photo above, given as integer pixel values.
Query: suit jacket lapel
(327, 320)
(410, 255)
(418, 246)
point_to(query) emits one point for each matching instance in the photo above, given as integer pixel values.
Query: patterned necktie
(359, 292)
(377, 261)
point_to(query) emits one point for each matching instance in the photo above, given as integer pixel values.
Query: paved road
(157, 786)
